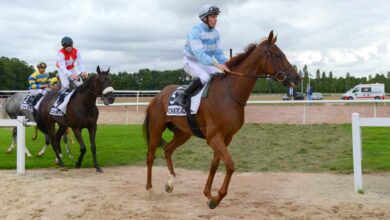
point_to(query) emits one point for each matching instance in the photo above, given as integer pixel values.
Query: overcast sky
(333, 35)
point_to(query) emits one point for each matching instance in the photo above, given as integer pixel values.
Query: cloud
(338, 36)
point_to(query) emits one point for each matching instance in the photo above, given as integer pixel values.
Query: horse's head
(274, 63)
(104, 86)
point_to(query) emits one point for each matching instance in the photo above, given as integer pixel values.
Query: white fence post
(21, 146)
(20, 140)
(357, 152)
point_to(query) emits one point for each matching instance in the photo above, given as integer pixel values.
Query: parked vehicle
(299, 96)
(317, 96)
(365, 91)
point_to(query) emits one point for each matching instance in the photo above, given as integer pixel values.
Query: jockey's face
(41, 70)
(212, 20)
(68, 48)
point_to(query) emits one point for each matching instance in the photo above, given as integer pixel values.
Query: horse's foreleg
(83, 149)
(92, 133)
(220, 148)
(210, 178)
(179, 138)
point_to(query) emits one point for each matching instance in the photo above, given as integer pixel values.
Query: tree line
(14, 74)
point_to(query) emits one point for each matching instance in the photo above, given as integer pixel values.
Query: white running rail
(357, 123)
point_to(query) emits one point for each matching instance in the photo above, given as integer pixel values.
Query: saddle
(191, 108)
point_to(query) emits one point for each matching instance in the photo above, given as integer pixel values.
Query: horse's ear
(108, 71)
(274, 40)
(98, 70)
(270, 37)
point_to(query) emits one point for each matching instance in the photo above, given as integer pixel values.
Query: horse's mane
(241, 56)
(85, 85)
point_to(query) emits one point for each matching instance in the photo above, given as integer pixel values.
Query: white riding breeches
(66, 80)
(196, 69)
(35, 92)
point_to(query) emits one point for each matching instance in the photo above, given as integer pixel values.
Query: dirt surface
(119, 193)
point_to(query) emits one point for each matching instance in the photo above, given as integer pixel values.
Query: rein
(279, 76)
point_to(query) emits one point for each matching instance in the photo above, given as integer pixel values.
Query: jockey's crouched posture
(202, 45)
(67, 59)
(38, 81)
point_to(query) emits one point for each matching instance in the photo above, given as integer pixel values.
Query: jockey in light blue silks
(202, 46)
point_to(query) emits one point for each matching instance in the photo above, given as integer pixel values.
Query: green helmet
(66, 41)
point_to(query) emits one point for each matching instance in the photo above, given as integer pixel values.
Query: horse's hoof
(63, 169)
(168, 188)
(149, 188)
(212, 204)
(39, 155)
(77, 165)
(70, 156)
(99, 170)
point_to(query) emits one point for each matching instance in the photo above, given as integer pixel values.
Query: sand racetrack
(119, 193)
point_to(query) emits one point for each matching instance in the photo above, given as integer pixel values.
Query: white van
(366, 91)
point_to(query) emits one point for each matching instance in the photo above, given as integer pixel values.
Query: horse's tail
(146, 131)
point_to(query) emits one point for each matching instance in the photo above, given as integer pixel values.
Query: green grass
(256, 147)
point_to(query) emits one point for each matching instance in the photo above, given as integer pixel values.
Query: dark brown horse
(81, 113)
(220, 115)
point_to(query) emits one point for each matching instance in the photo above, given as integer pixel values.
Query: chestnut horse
(81, 113)
(220, 115)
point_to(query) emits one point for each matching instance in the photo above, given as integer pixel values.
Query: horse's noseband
(280, 76)
(107, 90)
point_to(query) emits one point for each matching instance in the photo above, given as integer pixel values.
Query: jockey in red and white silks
(68, 58)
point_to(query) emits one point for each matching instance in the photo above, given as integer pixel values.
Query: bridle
(279, 75)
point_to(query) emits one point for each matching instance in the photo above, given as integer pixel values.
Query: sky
(330, 35)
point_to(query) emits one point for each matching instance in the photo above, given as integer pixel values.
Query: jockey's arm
(81, 66)
(219, 55)
(32, 82)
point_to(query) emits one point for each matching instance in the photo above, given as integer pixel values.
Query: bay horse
(81, 112)
(220, 115)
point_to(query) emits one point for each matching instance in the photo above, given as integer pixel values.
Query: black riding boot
(194, 85)
(61, 98)
(36, 99)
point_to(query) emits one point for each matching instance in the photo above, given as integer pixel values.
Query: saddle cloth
(59, 109)
(25, 105)
(177, 110)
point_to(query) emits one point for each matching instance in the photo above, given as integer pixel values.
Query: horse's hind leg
(60, 132)
(11, 147)
(47, 143)
(179, 138)
(56, 146)
(66, 141)
(155, 130)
